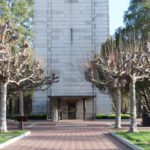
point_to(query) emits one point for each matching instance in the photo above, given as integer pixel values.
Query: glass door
(72, 111)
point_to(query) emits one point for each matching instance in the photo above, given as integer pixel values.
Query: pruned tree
(30, 76)
(7, 39)
(137, 69)
(18, 69)
(108, 70)
(128, 61)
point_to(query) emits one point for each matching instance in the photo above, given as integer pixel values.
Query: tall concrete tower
(66, 33)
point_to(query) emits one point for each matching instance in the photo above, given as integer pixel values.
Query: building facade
(67, 32)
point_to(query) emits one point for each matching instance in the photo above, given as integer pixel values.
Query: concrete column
(55, 117)
(94, 111)
(84, 109)
(59, 109)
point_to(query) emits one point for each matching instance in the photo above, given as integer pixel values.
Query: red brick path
(68, 135)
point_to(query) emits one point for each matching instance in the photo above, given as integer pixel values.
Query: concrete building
(66, 34)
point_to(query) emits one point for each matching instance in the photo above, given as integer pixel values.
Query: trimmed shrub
(38, 117)
(31, 117)
(125, 116)
(112, 116)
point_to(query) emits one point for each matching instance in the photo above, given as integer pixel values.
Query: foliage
(13, 102)
(38, 117)
(112, 116)
(122, 61)
(9, 135)
(141, 139)
(137, 17)
(18, 67)
(9, 66)
(19, 14)
(143, 95)
(134, 55)
(125, 104)
(137, 22)
(32, 117)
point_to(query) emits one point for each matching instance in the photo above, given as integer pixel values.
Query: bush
(125, 116)
(31, 117)
(38, 117)
(112, 116)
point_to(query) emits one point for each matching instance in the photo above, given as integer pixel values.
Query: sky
(116, 13)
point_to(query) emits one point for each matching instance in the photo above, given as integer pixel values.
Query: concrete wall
(66, 33)
(79, 110)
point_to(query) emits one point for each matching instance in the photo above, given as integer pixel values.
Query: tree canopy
(137, 17)
(19, 14)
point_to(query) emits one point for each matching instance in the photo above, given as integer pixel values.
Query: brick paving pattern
(68, 135)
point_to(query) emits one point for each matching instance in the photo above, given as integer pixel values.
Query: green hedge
(37, 117)
(31, 117)
(112, 116)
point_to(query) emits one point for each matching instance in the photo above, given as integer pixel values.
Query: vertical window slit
(71, 35)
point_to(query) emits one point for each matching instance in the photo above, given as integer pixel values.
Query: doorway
(71, 110)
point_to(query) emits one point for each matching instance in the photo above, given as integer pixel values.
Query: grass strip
(10, 134)
(141, 139)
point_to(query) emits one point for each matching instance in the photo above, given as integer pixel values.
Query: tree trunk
(21, 104)
(118, 108)
(3, 119)
(133, 124)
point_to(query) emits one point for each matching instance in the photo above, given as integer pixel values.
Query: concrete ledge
(126, 142)
(14, 139)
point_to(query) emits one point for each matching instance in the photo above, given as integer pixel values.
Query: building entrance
(72, 107)
(71, 110)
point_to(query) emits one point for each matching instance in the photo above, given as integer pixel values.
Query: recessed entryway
(72, 110)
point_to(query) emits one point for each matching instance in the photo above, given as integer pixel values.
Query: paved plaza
(68, 135)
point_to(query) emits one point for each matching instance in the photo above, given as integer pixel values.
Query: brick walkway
(68, 135)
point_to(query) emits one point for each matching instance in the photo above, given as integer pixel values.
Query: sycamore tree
(143, 89)
(137, 68)
(7, 39)
(30, 76)
(136, 19)
(129, 63)
(19, 15)
(107, 69)
(17, 68)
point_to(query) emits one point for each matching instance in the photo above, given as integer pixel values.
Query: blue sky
(116, 12)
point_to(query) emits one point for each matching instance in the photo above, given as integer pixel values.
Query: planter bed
(11, 137)
(140, 139)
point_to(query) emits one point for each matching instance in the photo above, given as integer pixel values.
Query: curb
(126, 142)
(14, 139)
(33, 124)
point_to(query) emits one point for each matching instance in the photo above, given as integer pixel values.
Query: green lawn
(9, 135)
(142, 139)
